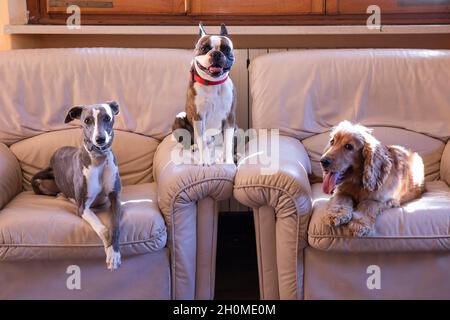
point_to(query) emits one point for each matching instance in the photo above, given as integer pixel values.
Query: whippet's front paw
(337, 215)
(113, 259)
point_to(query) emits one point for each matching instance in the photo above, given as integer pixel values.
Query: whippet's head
(97, 121)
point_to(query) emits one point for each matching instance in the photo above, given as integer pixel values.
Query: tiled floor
(236, 271)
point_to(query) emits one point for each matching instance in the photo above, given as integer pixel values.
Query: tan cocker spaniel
(366, 177)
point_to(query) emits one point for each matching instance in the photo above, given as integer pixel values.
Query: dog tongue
(215, 69)
(329, 182)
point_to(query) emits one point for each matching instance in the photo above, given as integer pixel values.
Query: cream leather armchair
(169, 226)
(403, 95)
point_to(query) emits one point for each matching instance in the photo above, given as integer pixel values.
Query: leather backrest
(307, 92)
(38, 87)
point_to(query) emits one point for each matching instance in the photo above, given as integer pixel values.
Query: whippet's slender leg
(100, 229)
(113, 257)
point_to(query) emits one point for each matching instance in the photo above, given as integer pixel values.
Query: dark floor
(236, 268)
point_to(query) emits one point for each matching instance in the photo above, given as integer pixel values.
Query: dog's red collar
(197, 78)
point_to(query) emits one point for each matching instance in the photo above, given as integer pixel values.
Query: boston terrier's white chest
(214, 103)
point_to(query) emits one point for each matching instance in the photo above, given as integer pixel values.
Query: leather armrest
(186, 197)
(182, 184)
(285, 186)
(10, 176)
(445, 164)
(273, 180)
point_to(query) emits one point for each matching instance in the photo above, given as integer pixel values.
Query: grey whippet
(89, 175)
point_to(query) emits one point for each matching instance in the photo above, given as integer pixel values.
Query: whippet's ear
(202, 29)
(74, 113)
(223, 30)
(114, 107)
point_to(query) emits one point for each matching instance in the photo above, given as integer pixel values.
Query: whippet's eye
(107, 118)
(88, 121)
(348, 147)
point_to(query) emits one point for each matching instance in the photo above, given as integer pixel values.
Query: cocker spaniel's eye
(348, 147)
(331, 142)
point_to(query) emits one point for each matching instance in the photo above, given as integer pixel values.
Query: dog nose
(326, 162)
(216, 54)
(100, 140)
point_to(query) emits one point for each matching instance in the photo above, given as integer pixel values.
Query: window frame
(38, 15)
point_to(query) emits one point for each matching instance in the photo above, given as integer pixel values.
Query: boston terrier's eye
(107, 118)
(206, 48)
(225, 49)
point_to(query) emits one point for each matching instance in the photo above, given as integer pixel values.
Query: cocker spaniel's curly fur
(366, 177)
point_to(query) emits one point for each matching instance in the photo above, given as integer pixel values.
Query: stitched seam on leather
(172, 258)
(291, 197)
(384, 237)
(260, 258)
(296, 255)
(22, 245)
(212, 274)
(173, 221)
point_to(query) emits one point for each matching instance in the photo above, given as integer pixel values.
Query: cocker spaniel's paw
(359, 228)
(337, 215)
(393, 204)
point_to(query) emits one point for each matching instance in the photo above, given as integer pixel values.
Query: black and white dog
(89, 175)
(211, 97)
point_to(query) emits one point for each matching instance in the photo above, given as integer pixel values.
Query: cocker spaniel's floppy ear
(377, 164)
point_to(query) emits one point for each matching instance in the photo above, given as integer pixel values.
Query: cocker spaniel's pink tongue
(329, 182)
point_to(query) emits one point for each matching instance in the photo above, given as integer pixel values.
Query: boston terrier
(89, 175)
(211, 97)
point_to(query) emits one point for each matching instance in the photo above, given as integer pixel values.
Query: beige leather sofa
(404, 95)
(169, 228)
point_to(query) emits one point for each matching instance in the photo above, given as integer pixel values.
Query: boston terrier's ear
(74, 113)
(202, 29)
(223, 30)
(114, 107)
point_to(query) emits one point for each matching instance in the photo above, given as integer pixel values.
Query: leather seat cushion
(420, 225)
(134, 154)
(36, 227)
